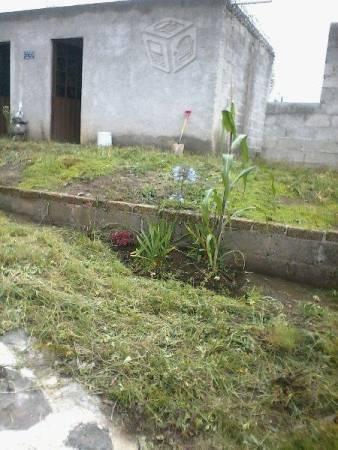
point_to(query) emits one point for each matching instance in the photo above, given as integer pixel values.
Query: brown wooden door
(67, 90)
(4, 82)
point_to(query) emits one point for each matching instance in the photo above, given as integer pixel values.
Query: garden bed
(288, 195)
(180, 267)
(186, 367)
(287, 252)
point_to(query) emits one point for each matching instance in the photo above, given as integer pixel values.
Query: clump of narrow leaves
(155, 244)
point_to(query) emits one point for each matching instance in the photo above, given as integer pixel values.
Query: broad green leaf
(228, 161)
(239, 212)
(243, 175)
(273, 184)
(218, 201)
(210, 251)
(229, 122)
(241, 143)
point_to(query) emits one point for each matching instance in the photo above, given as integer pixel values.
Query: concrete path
(41, 411)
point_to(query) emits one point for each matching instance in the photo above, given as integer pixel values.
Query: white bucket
(178, 149)
(104, 139)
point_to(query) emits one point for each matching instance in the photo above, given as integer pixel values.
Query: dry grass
(190, 368)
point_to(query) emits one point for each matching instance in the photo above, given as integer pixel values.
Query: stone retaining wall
(293, 253)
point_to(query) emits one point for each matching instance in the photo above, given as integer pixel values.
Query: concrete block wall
(245, 75)
(122, 92)
(301, 134)
(329, 98)
(307, 133)
(287, 252)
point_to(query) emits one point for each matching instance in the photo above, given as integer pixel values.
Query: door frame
(8, 103)
(53, 82)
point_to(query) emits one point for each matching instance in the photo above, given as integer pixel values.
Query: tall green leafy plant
(216, 214)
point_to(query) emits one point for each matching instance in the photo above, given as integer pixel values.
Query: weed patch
(283, 336)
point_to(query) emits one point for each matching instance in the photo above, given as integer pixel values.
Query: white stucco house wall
(133, 68)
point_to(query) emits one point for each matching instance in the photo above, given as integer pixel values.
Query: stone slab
(39, 410)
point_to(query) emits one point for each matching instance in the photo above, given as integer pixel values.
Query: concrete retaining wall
(288, 252)
(307, 133)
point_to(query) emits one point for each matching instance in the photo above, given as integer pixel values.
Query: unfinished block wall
(307, 133)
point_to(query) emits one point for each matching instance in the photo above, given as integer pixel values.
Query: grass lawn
(303, 197)
(190, 368)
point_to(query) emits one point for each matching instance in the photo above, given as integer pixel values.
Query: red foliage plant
(122, 238)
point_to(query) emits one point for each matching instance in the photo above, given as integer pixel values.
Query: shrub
(122, 239)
